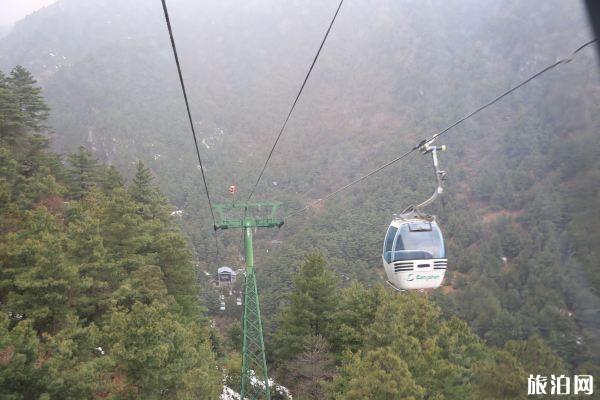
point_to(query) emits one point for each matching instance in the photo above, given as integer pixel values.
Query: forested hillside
(99, 299)
(97, 285)
(520, 213)
(388, 346)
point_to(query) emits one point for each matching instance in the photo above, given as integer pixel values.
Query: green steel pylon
(254, 361)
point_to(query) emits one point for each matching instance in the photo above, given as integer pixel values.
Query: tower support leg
(254, 361)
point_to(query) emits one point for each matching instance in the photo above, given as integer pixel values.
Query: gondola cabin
(225, 276)
(414, 256)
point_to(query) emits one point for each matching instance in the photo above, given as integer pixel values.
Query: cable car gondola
(414, 255)
(226, 276)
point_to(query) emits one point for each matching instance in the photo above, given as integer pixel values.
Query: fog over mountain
(520, 214)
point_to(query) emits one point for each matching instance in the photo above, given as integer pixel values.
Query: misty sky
(13, 10)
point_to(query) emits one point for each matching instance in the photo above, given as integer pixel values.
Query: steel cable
(449, 127)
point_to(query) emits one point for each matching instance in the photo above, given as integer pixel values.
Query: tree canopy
(97, 285)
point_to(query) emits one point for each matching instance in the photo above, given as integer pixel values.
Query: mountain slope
(97, 287)
(389, 76)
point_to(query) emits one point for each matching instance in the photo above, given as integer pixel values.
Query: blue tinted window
(389, 238)
(415, 244)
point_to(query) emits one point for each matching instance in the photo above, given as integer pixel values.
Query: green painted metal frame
(253, 348)
(270, 221)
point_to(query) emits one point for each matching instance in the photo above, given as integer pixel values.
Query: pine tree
(8, 176)
(83, 172)
(126, 235)
(439, 352)
(233, 369)
(111, 180)
(355, 312)
(98, 277)
(160, 357)
(39, 282)
(97, 299)
(309, 312)
(20, 375)
(500, 378)
(174, 259)
(377, 374)
(11, 117)
(141, 189)
(311, 369)
(76, 364)
(28, 98)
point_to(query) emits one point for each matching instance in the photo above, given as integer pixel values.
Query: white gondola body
(226, 276)
(414, 254)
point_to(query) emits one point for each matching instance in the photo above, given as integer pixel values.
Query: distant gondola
(226, 276)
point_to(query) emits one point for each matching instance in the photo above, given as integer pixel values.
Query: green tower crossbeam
(254, 361)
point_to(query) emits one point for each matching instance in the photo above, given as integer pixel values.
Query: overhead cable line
(189, 114)
(440, 133)
(187, 107)
(296, 99)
